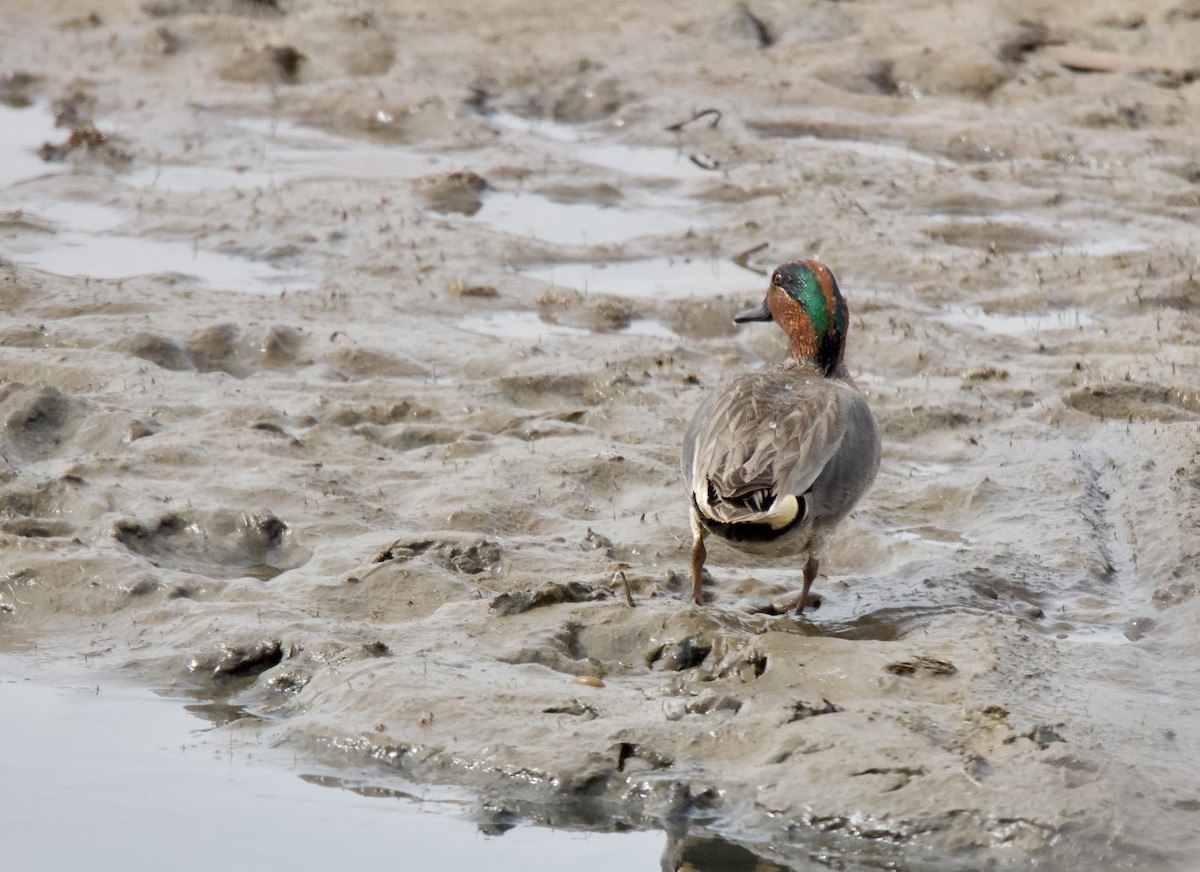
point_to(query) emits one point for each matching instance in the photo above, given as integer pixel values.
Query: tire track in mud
(1097, 507)
(1100, 507)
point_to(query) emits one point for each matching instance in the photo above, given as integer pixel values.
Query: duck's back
(787, 429)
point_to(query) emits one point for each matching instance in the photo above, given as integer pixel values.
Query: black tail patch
(750, 531)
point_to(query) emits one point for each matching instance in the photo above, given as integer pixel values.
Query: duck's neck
(827, 357)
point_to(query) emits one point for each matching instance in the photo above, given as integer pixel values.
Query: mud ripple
(238, 661)
(220, 348)
(1130, 401)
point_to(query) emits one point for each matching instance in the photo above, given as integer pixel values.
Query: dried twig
(743, 259)
(762, 29)
(628, 593)
(716, 113)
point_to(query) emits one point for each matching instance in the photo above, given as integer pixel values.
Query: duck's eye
(777, 279)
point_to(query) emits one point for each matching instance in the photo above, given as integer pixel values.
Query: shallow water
(22, 132)
(249, 153)
(655, 278)
(583, 224)
(87, 242)
(78, 237)
(143, 784)
(600, 149)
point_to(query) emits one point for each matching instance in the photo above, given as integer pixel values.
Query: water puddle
(640, 160)
(644, 212)
(843, 145)
(22, 132)
(1014, 323)
(582, 224)
(651, 279)
(248, 154)
(86, 242)
(284, 151)
(530, 326)
(137, 780)
(517, 325)
(85, 238)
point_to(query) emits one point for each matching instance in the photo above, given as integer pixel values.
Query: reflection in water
(714, 855)
(138, 780)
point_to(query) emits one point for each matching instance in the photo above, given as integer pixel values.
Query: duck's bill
(758, 313)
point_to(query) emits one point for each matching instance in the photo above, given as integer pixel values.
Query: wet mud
(345, 352)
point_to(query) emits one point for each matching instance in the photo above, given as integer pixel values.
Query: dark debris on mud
(553, 593)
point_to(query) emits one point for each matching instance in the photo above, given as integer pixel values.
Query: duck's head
(804, 300)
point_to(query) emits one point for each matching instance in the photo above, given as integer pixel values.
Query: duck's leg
(699, 553)
(810, 572)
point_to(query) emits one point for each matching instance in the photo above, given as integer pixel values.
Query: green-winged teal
(774, 459)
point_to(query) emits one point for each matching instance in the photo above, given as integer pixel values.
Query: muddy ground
(347, 347)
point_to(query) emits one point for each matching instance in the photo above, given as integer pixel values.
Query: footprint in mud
(37, 422)
(37, 511)
(219, 544)
(460, 192)
(583, 96)
(921, 665)
(272, 64)
(705, 704)
(945, 587)
(559, 649)
(220, 348)
(583, 389)
(553, 593)
(159, 350)
(906, 424)
(401, 438)
(469, 558)
(708, 647)
(352, 362)
(1126, 401)
(381, 415)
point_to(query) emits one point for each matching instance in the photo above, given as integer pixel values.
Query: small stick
(628, 593)
(762, 30)
(716, 113)
(743, 259)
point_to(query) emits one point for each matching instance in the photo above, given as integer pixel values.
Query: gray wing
(851, 469)
(775, 435)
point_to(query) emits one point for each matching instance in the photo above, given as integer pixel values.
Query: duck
(774, 460)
